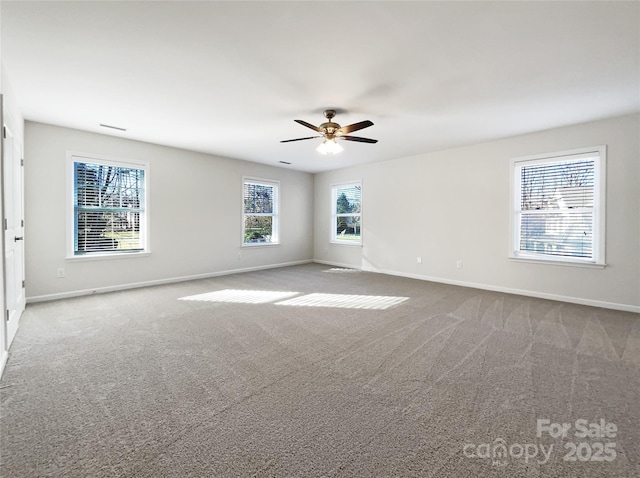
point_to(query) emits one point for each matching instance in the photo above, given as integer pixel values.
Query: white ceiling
(229, 78)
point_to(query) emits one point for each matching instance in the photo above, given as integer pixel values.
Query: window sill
(260, 244)
(557, 262)
(346, 243)
(103, 257)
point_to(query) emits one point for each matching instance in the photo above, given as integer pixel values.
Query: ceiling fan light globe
(329, 146)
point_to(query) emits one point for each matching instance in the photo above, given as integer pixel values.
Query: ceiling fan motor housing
(329, 129)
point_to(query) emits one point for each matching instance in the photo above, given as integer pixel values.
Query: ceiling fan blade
(355, 127)
(359, 139)
(299, 139)
(308, 125)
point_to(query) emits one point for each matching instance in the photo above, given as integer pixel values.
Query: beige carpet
(291, 372)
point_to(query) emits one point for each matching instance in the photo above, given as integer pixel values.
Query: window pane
(107, 231)
(348, 199)
(557, 201)
(260, 202)
(87, 188)
(557, 233)
(557, 206)
(346, 215)
(258, 198)
(348, 228)
(258, 229)
(568, 184)
(108, 205)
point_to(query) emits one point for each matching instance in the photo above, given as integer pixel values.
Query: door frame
(4, 346)
(16, 191)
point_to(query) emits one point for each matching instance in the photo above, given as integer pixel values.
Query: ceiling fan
(331, 132)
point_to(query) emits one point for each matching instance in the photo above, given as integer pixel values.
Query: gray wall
(446, 206)
(454, 205)
(195, 214)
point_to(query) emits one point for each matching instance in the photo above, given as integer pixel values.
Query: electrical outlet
(459, 264)
(419, 260)
(60, 273)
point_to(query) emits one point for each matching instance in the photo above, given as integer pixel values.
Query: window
(108, 206)
(260, 209)
(346, 204)
(559, 206)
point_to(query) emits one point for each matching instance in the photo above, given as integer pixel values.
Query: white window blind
(347, 213)
(109, 204)
(260, 223)
(557, 210)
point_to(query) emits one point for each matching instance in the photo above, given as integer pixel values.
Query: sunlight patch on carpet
(345, 301)
(241, 296)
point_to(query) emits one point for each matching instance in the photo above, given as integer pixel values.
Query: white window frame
(599, 153)
(334, 239)
(275, 224)
(92, 158)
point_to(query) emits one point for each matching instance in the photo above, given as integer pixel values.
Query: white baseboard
(494, 288)
(336, 264)
(135, 285)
